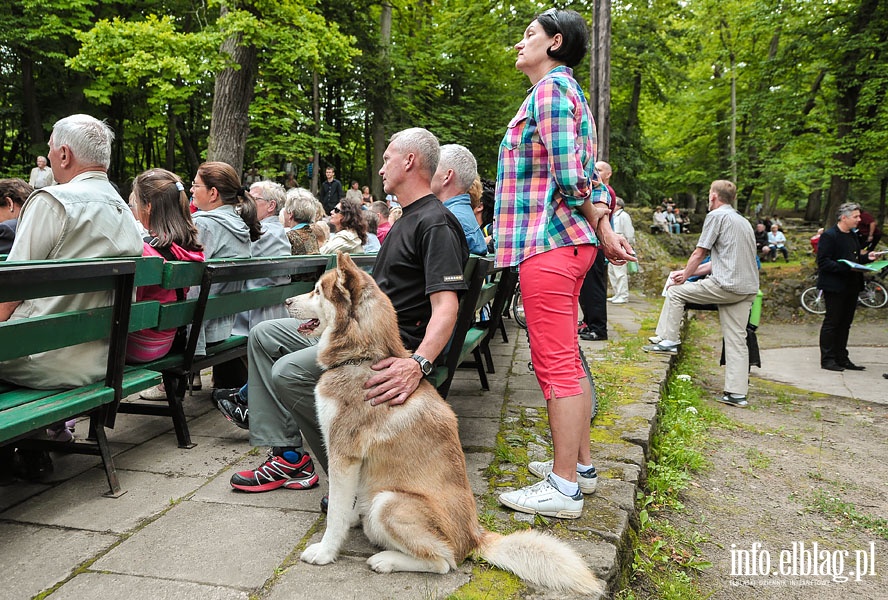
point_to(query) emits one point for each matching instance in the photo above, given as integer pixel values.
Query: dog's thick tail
(540, 559)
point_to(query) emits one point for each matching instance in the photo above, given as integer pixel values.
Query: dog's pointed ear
(344, 260)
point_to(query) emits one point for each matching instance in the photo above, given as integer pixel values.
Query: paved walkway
(180, 531)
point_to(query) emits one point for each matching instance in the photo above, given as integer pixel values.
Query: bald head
(604, 170)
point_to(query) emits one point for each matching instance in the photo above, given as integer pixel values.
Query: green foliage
(148, 59)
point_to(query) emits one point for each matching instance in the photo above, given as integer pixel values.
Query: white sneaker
(588, 480)
(543, 498)
(655, 339)
(156, 393)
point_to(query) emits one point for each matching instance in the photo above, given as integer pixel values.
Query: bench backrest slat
(26, 280)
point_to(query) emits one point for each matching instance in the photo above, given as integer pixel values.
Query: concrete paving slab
(10, 495)
(79, 503)
(161, 455)
(351, 579)
(137, 429)
(236, 546)
(478, 433)
(89, 586)
(475, 406)
(220, 490)
(476, 463)
(36, 558)
(800, 367)
(213, 424)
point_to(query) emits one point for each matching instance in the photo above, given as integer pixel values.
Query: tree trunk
(812, 210)
(883, 186)
(31, 108)
(232, 96)
(599, 74)
(316, 116)
(191, 157)
(849, 83)
(380, 91)
(170, 158)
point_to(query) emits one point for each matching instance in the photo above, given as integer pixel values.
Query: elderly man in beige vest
(83, 217)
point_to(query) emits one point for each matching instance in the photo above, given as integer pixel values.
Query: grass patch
(845, 514)
(666, 558)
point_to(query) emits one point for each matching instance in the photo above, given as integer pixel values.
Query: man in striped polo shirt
(731, 283)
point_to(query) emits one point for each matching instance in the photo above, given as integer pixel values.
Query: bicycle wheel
(591, 384)
(518, 308)
(873, 295)
(813, 302)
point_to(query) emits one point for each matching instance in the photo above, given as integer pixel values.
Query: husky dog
(401, 468)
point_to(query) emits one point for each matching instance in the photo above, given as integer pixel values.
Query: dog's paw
(386, 561)
(319, 554)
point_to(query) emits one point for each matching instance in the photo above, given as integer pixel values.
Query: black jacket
(833, 276)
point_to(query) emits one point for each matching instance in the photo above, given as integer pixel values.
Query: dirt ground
(798, 469)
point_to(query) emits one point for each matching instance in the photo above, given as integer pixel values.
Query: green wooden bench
(495, 294)
(24, 411)
(475, 275)
(304, 271)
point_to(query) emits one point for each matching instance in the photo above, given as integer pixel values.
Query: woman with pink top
(159, 202)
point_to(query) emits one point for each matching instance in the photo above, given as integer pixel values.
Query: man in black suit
(840, 284)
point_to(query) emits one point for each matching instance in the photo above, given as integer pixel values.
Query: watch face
(426, 367)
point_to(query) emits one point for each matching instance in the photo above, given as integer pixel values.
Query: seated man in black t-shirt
(420, 267)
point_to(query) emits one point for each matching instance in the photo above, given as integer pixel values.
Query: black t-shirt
(424, 252)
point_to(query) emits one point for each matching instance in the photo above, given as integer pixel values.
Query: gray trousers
(283, 372)
(733, 313)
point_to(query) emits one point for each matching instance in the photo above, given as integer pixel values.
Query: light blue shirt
(461, 207)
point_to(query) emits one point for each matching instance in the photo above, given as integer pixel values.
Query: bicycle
(516, 307)
(873, 295)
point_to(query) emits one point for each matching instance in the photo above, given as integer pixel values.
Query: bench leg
(97, 428)
(488, 357)
(479, 364)
(180, 424)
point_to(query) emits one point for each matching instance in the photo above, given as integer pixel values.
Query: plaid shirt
(546, 170)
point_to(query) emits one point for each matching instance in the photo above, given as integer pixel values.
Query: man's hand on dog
(396, 380)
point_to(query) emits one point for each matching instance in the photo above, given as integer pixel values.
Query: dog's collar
(351, 361)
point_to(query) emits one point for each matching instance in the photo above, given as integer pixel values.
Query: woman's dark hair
(222, 176)
(353, 219)
(574, 34)
(16, 190)
(170, 219)
(488, 201)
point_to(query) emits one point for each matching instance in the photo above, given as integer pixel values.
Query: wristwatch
(425, 364)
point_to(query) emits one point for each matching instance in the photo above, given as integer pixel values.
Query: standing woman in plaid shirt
(550, 205)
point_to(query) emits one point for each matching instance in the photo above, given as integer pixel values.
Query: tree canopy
(785, 96)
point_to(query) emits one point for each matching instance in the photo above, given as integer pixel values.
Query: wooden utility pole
(600, 74)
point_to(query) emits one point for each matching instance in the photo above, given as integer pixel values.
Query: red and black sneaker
(277, 472)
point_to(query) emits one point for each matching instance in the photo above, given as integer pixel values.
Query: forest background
(785, 97)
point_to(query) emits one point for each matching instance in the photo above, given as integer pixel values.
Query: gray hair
(380, 208)
(272, 192)
(422, 143)
(620, 202)
(463, 163)
(846, 209)
(88, 138)
(301, 205)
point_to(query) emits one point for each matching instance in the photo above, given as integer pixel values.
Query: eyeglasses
(552, 12)
(335, 210)
(194, 184)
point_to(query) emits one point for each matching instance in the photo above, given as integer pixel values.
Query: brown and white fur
(401, 468)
